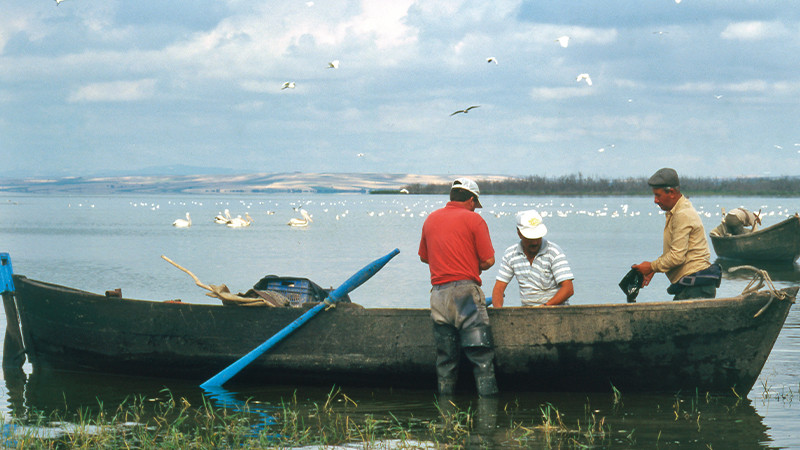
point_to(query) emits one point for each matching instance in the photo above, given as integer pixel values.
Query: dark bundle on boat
(286, 291)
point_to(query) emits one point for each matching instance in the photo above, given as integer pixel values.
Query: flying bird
(465, 110)
(491, 59)
(563, 41)
(718, 97)
(58, 2)
(584, 76)
(288, 85)
(360, 155)
(333, 64)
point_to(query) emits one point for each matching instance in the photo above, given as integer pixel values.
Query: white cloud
(741, 87)
(560, 93)
(13, 24)
(115, 91)
(753, 30)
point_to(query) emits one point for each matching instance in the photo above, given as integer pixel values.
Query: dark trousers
(689, 292)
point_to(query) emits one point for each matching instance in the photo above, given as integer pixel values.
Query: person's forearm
(565, 291)
(498, 294)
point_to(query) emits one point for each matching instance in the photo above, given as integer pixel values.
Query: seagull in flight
(563, 41)
(58, 2)
(286, 85)
(466, 110)
(584, 76)
(333, 64)
(490, 59)
(360, 155)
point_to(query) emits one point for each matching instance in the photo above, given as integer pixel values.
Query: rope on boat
(760, 278)
(221, 292)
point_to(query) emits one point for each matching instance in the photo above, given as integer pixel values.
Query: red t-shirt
(454, 241)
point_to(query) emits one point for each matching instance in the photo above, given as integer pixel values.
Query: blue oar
(353, 282)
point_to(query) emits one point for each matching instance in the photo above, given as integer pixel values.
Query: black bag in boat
(297, 290)
(631, 283)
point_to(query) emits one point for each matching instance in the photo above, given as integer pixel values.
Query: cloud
(115, 91)
(753, 30)
(560, 93)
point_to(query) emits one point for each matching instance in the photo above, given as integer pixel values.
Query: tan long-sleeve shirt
(685, 245)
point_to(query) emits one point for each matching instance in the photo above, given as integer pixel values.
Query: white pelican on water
(223, 217)
(238, 222)
(295, 222)
(180, 223)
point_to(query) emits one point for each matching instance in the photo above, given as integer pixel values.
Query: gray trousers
(460, 321)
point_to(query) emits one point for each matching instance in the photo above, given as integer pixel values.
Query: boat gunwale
(690, 304)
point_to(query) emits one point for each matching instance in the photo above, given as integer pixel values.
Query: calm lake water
(97, 243)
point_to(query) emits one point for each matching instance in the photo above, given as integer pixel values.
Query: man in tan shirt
(686, 257)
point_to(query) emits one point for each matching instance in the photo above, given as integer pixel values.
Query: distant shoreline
(577, 185)
(381, 183)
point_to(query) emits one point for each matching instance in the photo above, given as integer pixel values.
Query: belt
(453, 283)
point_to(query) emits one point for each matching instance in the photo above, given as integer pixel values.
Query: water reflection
(509, 420)
(223, 398)
(779, 272)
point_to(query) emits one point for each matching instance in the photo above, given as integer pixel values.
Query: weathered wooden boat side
(711, 345)
(779, 242)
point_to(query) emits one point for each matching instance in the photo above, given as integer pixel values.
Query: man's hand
(646, 269)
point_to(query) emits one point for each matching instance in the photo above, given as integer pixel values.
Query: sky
(711, 88)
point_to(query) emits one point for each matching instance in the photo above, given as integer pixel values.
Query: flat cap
(665, 177)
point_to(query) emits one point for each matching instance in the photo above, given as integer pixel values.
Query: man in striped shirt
(541, 268)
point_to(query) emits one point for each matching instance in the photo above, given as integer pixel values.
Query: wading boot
(477, 343)
(447, 356)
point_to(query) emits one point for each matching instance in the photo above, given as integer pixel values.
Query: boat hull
(780, 242)
(711, 345)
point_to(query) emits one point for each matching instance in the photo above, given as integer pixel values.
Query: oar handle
(353, 282)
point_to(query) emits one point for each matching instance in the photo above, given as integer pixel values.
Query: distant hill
(227, 183)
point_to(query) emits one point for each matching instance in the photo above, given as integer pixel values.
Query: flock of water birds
(225, 218)
(419, 208)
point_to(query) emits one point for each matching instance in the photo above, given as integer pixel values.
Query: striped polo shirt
(538, 281)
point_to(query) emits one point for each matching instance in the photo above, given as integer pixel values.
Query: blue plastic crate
(297, 291)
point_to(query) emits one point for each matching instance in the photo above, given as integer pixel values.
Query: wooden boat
(712, 345)
(779, 242)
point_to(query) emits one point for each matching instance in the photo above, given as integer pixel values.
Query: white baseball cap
(530, 224)
(468, 185)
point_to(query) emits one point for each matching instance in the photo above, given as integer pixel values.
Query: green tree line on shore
(581, 185)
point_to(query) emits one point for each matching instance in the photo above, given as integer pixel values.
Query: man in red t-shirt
(456, 246)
